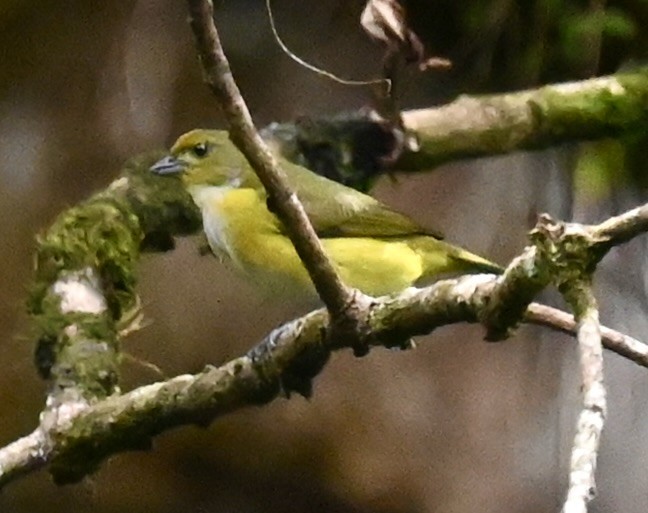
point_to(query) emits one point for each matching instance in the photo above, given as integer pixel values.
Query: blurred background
(457, 425)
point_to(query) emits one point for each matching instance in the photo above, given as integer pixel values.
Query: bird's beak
(169, 165)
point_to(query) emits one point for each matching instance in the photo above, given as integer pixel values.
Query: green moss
(100, 234)
(162, 206)
(619, 102)
(567, 257)
(102, 237)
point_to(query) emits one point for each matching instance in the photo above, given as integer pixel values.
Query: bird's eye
(200, 150)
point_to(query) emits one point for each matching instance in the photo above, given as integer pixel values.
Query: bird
(374, 248)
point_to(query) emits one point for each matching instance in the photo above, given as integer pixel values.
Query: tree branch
(470, 126)
(621, 228)
(338, 298)
(623, 345)
(25, 455)
(79, 436)
(293, 353)
(84, 284)
(528, 120)
(582, 485)
(74, 437)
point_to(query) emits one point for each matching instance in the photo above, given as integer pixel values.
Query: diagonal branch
(77, 439)
(623, 345)
(621, 228)
(293, 353)
(337, 297)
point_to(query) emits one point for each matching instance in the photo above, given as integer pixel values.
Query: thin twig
(315, 69)
(623, 345)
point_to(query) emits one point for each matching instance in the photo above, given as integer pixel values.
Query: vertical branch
(336, 296)
(582, 484)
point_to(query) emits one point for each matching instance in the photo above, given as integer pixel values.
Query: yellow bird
(374, 248)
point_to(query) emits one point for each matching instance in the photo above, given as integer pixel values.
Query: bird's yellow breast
(239, 226)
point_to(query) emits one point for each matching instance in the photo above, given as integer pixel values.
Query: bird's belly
(276, 268)
(239, 228)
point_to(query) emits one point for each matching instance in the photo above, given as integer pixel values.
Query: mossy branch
(84, 284)
(355, 147)
(74, 438)
(474, 126)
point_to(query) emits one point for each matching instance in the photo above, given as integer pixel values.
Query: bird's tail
(473, 264)
(441, 258)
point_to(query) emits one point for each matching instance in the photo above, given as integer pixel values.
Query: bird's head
(205, 157)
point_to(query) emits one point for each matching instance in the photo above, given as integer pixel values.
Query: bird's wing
(337, 211)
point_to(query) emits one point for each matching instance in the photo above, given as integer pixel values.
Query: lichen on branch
(85, 276)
